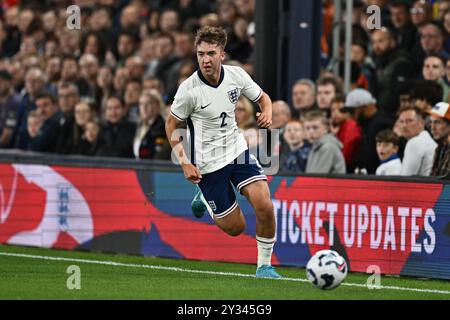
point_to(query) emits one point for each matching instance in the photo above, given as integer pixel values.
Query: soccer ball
(326, 269)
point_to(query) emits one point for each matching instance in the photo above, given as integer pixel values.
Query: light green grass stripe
(218, 273)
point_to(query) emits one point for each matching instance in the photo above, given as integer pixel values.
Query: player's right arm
(191, 172)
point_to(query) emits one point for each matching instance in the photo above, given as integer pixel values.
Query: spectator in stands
(326, 153)
(168, 62)
(9, 108)
(90, 138)
(47, 107)
(93, 43)
(393, 67)
(89, 67)
(405, 31)
(18, 75)
(69, 42)
(387, 149)
(447, 72)
(121, 77)
(129, 18)
(116, 136)
(281, 114)
(104, 87)
(68, 97)
(11, 44)
(127, 44)
(443, 7)
(169, 21)
(432, 40)
(357, 78)
(136, 67)
(421, 13)
(425, 94)
(362, 59)
(303, 98)
(187, 68)
(77, 142)
(440, 130)
(327, 89)
(434, 70)
(347, 131)
(371, 120)
(52, 47)
(35, 80)
(150, 140)
(228, 12)
(151, 83)
(34, 124)
(133, 90)
(184, 47)
(245, 115)
(419, 151)
(70, 72)
(147, 52)
(294, 157)
(53, 69)
(101, 21)
(446, 25)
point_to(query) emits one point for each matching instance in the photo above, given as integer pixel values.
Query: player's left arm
(264, 118)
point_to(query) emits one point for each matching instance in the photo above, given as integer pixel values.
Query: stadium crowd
(105, 89)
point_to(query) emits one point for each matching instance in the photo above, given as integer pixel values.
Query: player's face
(210, 57)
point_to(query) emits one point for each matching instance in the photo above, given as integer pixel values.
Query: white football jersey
(209, 111)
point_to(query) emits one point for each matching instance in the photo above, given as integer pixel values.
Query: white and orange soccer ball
(326, 269)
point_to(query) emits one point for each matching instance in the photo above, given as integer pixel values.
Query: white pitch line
(176, 269)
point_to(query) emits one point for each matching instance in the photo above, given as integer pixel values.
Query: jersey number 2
(223, 115)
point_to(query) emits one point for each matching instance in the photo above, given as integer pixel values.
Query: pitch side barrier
(395, 225)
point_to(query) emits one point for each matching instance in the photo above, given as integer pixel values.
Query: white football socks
(265, 248)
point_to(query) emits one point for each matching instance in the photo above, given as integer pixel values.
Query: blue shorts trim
(227, 212)
(250, 180)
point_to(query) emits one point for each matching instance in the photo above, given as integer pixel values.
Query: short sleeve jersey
(209, 111)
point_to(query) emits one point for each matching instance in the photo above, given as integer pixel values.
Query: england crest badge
(233, 95)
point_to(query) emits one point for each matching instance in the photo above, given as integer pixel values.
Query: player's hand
(264, 120)
(192, 173)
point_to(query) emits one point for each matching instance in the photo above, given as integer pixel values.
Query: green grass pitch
(33, 273)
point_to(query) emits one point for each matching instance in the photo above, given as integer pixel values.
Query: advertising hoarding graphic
(402, 227)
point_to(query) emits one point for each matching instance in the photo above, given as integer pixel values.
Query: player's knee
(264, 210)
(235, 229)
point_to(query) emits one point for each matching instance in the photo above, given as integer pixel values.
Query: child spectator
(387, 149)
(89, 139)
(34, 124)
(294, 157)
(326, 153)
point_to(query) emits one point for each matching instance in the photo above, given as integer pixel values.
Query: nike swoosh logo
(205, 106)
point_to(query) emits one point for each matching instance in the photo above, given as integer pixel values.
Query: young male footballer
(220, 158)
